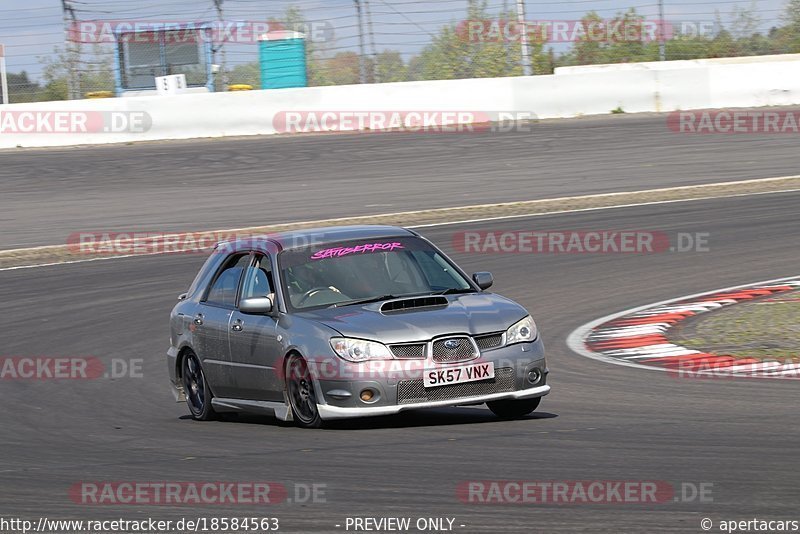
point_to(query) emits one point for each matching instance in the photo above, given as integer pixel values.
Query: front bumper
(327, 411)
(339, 397)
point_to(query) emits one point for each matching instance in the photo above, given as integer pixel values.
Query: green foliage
(458, 53)
(342, 69)
(97, 76)
(22, 89)
(246, 73)
(391, 67)
(741, 39)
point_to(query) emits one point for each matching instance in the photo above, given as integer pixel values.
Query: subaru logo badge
(452, 344)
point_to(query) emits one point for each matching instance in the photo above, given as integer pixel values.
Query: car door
(211, 324)
(255, 350)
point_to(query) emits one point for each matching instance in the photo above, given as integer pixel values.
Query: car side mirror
(256, 305)
(483, 280)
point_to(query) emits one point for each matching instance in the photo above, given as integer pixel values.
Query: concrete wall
(570, 92)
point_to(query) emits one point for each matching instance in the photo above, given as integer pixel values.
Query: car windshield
(358, 271)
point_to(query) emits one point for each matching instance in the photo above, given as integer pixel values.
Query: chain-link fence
(71, 49)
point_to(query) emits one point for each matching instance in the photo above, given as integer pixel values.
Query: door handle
(237, 325)
(198, 319)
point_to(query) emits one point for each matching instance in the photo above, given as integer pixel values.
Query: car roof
(323, 235)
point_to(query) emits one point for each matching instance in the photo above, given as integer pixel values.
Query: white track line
(69, 262)
(465, 221)
(517, 202)
(579, 210)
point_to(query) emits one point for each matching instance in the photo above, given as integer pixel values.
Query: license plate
(457, 375)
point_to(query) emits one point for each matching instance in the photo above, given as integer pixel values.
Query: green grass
(766, 329)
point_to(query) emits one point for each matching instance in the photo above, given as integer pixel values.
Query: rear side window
(204, 273)
(223, 289)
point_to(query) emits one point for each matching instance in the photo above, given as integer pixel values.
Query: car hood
(478, 313)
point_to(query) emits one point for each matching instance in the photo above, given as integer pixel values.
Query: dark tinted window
(208, 270)
(223, 289)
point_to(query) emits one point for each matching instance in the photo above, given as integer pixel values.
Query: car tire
(195, 386)
(513, 409)
(301, 394)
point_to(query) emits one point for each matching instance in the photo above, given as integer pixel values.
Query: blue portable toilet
(282, 57)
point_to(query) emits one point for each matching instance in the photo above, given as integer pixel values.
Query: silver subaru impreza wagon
(355, 321)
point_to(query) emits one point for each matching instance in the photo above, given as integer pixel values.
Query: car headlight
(523, 331)
(359, 350)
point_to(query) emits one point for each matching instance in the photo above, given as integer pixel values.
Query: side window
(223, 288)
(209, 268)
(258, 280)
(439, 274)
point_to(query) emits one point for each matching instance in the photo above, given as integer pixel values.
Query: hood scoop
(415, 303)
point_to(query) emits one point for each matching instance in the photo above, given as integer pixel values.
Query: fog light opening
(534, 376)
(367, 395)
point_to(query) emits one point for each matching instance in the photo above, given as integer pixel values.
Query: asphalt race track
(230, 183)
(601, 422)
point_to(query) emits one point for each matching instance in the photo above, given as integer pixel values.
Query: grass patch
(766, 329)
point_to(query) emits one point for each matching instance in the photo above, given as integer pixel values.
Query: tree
(246, 73)
(54, 75)
(786, 39)
(723, 45)
(22, 89)
(391, 67)
(622, 39)
(745, 21)
(588, 51)
(342, 69)
(459, 52)
(792, 16)
(95, 73)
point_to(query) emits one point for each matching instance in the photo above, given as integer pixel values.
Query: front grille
(464, 350)
(490, 341)
(409, 351)
(413, 391)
